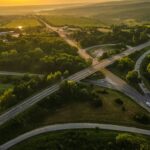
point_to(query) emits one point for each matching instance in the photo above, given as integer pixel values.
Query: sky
(38, 2)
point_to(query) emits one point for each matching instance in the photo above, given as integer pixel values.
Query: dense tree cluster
(132, 77)
(25, 87)
(86, 140)
(71, 90)
(125, 63)
(120, 34)
(40, 52)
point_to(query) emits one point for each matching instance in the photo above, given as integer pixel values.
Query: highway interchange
(76, 77)
(96, 66)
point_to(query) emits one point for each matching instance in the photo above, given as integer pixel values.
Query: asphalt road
(9, 73)
(114, 82)
(140, 60)
(14, 111)
(145, 90)
(68, 126)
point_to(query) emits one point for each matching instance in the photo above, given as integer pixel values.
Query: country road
(76, 77)
(69, 126)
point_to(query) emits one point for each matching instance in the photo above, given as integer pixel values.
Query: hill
(111, 12)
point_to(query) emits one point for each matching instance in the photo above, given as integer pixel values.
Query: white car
(148, 104)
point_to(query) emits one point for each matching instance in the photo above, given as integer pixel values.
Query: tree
(148, 68)
(54, 76)
(132, 77)
(66, 74)
(125, 63)
(130, 142)
(142, 118)
(7, 98)
(118, 101)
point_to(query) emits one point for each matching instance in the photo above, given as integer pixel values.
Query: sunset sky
(37, 2)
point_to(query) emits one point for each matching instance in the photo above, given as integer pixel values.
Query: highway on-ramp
(114, 82)
(69, 126)
(142, 85)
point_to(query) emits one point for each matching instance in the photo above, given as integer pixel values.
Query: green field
(23, 22)
(128, 12)
(72, 21)
(93, 139)
(75, 111)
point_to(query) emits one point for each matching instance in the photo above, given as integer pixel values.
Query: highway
(69, 126)
(14, 111)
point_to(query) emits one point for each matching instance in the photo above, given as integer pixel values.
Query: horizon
(48, 2)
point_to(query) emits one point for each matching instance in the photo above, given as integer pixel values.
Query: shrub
(142, 118)
(118, 101)
(96, 102)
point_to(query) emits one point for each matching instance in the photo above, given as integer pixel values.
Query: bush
(118, 101)
(96, 102)
(125, 63)
(132, 77)
(130, 142)
(142, 118)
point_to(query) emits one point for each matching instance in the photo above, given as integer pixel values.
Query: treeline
(120, 34)
(26, 86)
(39, 52)
(86, 140)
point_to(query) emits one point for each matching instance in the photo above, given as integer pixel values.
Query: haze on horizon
(38, 2)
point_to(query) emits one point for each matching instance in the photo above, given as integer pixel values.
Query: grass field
(24, 22)
(128, 12)
(75, 111)
(72, 21)
(66, 138)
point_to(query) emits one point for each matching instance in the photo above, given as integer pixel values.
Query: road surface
(114, 82)
(69, 126)
(13, 112)
(145, 90)
(9, 73)
(140, 60)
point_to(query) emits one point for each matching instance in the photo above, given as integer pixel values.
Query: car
(148, 104)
